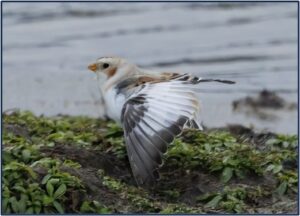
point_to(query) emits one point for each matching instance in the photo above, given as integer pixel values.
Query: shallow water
(47, 47)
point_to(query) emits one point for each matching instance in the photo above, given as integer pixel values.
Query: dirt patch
(18, 130)
(248, 135)
(265, 99)
(188, 184)
(90, 159)
(261, 105)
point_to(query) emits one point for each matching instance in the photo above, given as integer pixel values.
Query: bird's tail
(189, 79)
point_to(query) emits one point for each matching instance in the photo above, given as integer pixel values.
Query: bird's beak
(92, 67)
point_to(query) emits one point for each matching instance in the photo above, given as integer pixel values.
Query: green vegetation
(79, 165)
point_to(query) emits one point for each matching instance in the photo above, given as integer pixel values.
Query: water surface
(47, 47)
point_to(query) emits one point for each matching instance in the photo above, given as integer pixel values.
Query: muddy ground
(260, 105)
(79, 165)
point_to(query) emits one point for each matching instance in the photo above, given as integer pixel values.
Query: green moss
(287, 181)
(41, 173)
(179, 208)
(220, 152)
(94, 207)
(29, 190)
(138, 198)
(234, 199)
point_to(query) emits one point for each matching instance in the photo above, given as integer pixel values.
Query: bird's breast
(114, 103)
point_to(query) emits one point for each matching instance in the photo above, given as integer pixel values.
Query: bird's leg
(105, 116)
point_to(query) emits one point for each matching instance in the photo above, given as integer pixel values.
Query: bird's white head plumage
(110, 70)
(152, 108)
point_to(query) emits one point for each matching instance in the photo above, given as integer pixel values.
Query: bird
(153, 108)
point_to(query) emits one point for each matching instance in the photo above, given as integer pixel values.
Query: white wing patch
(151, 119)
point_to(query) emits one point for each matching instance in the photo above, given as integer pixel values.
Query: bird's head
(111, 70)
(107, 66)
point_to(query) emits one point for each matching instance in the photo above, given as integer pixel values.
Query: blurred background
(47, 47)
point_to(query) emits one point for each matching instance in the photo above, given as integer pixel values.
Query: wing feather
(152, 118)
(157, 110)
(158, 139)
(139, 165)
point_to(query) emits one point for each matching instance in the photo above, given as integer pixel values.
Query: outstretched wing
(151, 120)
(153, 117)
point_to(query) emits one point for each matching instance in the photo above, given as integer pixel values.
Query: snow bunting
(152, 109)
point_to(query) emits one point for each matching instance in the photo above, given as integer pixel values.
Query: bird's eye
(105, 65)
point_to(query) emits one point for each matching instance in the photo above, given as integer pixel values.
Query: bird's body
(152, 108)
(114, 103)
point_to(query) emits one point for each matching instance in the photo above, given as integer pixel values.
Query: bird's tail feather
(195, 80)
